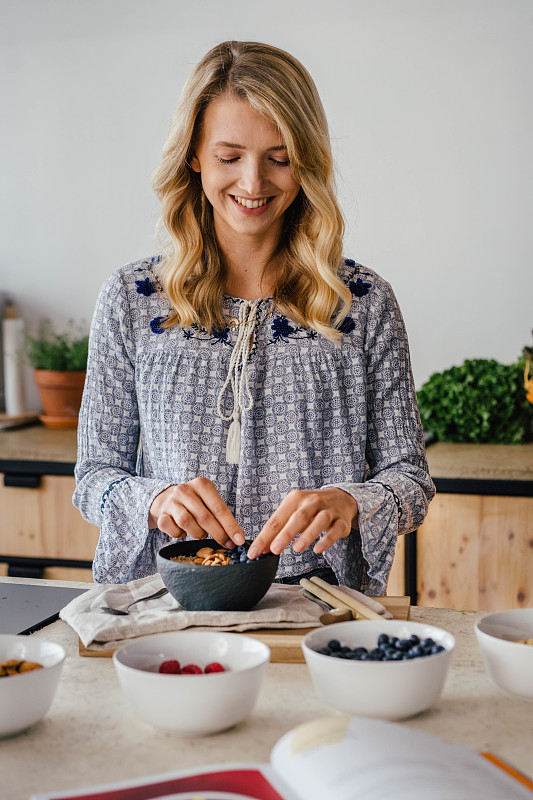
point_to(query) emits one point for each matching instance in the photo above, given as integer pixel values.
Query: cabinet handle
(22, 481)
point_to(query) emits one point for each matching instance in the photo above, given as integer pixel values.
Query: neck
(251, 268)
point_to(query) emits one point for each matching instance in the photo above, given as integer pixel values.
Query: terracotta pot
(61, 394)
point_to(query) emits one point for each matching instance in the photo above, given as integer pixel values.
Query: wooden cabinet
(475, 548)
(41, 533)
(42, 523)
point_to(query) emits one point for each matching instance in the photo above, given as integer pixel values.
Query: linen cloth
(281, 607)
(323, 415)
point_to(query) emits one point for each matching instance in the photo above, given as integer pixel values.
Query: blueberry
(358, 651)
(428, 643)
(383, 639)
(417, 650)
(243, 557)
(415, 639)
(334, 644)
(376, 654)
(393, 640)
(325, 651)
(437, 648)
(396, 655)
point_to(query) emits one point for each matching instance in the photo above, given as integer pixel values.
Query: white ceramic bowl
(192, 705)
(509, 664)
(25, 698)
(387, 689)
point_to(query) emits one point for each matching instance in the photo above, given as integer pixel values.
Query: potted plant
(479, 401)
(59, 361)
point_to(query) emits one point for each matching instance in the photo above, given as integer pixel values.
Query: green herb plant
(61, 352)
(479, 401)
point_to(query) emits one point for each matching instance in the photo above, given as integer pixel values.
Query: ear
(195, 164)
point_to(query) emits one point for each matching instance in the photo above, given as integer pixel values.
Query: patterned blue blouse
(322, 415)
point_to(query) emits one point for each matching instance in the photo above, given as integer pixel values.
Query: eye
(228, 160)
(285, 163)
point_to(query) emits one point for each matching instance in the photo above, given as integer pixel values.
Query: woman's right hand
(195, 509)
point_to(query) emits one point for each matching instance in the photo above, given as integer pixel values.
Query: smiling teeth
(251, 203)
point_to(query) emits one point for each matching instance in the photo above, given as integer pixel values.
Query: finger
(339, 530)
(306, 525)
(275, 526)
(321, 523)
(167, 524)
(176, 521)
(194, 517)
(221, 514)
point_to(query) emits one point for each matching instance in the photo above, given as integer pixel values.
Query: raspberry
(191, 669)
(214, 667)
(170, 667)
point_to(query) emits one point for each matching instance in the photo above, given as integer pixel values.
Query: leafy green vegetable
(63, 352)
(479, 401)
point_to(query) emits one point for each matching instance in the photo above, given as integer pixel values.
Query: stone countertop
(510, 462)
(89, 735)
(38, 443)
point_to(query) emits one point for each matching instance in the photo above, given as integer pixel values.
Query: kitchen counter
(499, 462)
(38, 444)
(90, 736)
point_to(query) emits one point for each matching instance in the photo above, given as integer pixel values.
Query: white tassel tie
(238, 378)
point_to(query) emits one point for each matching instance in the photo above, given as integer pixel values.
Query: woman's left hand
(304, 515)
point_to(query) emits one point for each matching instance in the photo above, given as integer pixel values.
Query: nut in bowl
(389, 689)
(187, 702)
(27, 693)
(508, 657)
(237, 586)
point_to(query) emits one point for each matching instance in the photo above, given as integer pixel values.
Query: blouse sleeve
(108, 492)
(395, 494)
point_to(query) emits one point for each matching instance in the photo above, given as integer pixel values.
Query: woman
(250, 381)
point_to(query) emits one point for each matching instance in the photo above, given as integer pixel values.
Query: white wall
(431, 112)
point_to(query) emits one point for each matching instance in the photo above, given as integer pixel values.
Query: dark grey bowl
(234, 587)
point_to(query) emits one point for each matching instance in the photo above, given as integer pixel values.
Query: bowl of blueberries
(203, 576)
(388, 669)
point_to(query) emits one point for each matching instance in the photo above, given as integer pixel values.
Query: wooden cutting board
(285, 643)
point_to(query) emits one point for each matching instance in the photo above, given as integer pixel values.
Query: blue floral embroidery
(145, 287)
(347, 325)
(108, 491)
(156, 324)
(221, 336)
(216, 337)
(394, 495)
(349, 262)
(281, 328)
(359, 287)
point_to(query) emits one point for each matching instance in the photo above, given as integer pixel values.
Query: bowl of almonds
(203, 576)
(29, 673)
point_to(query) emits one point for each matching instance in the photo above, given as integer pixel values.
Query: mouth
(247, 202)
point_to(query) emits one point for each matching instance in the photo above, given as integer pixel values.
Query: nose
(252, 178)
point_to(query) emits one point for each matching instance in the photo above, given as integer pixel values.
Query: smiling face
(245, 171)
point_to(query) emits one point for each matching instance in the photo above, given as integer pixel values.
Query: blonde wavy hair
(192, 271)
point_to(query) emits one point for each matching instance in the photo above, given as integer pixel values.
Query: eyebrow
(241, 147)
